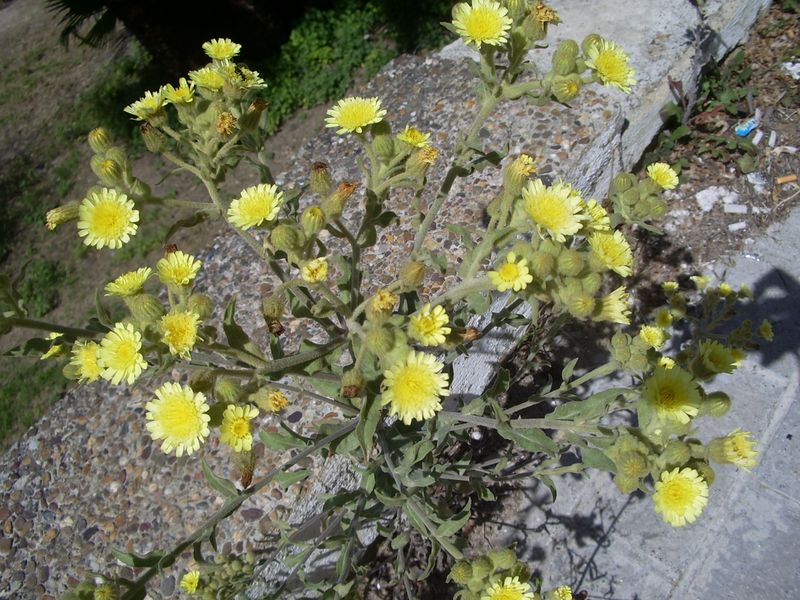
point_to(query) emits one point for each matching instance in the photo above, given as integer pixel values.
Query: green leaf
(132, 559)
(220, 484)
(586, 410)
(400, 540)
(532, 440)
(365, 430)
(456, 524)
(196, 219)
(102, 314)
(569, 368)
(597, 459)
(389, 501)
(281, 442)
(287, 478)
(31, 346)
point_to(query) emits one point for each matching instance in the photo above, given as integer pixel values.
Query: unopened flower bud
(412, 275)
(62, 214)
(200, 304)
(591, 40)
(145, 308)
(272, 307)
(352, 383)
(321, 182)
(591, 283)
(676, 453)
(632, 464)
(382, 141)
(312, 220)
(227, 390)
(107, 170)
(420, 161)
(623, 182)
(333, 206)
(153, 138)
(563, 63)
(503, 559)
(287, 238)
(99, 140)
(579, 304)
(715, 404)
(379, 340)
(250, 118)
(543, 264)
(481, 568)
(570, 263)
(461, 573)
(625, 483)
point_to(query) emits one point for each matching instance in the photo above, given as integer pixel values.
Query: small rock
(43, 574)
(50, 535)
(5, 546)
(735, 209)
(737, 226)
(89, 532)
(168, 585)
(252, 514)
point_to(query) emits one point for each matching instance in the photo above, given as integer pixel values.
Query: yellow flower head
(178, 268)
(179, 331)
(611, 64)
(190, 581)
(511, 588)
(736, 448)
(672, 394)
(513, 274)
(147, 106)
(255, 205)
(414, 137)
(670, 287)
(663, 175)
(107, 218)
(653, 336)
(119, 355)
(483, 22)
(612, 250)
(351, 115)
(62, 214)
(714, 358)
(666, 362)
(315, 271)
(556, 208)
(413, 387)
(277, 401)
(129, 284)
(208, 78)
(598, 217)
(384, 301)
(179, 417)
(663, 318)
(429, 326)
(85, 355)
(680, 496)
(563, 592)
(235, 428)
(183, 94)
(765, 330)
(221, 49)
(614, 308)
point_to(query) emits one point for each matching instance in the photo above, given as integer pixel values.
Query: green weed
(27, 392)
(40, 285)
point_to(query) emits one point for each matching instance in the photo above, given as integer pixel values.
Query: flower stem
(52, 327)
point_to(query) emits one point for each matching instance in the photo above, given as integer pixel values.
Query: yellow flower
(511, 588)
(315, 271)
(663, 318)
(556, 208)
(55, 349)
(84, 358)
(563, 592)
(147, 106)
(765, 330)
(611, 64)
(119, 355)
(384, 301)
(484, 22)
(680, 496)
(736, 448)
(183, 94)
(613, 251)
(107, 218)
(598, 217)
(512, 274)
(429, 326)
(725, 289)
(666, 362)
(653, 336)
(208, 78)
(255, 205)
(129, 284)
(663, 175)
(712, 358)
(178, 268)
(414, 386)
(351, 115)
(614, 308)
(179, 417)
(180, 332)
(670, 287)
(671, 394)
(277, 401)
(190, 581)
(221, 49)
(414, 137)
(235, 428)
(62, 214)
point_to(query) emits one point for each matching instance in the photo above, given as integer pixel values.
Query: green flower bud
(312, 220)
(593, 39)
(62, 214)
(139, 189)
(564, 58)
(676, 453)
(503, 559)
(99, 140)
(566, 88)
(578, 303)
(626, 484)
(272, 308)
(321, 182)
(383, 141)
(200, 304)
(570, 263)
(145, 308)
(412, 274)
(521, 571)
(623, 182)
(380, 340)
(69, 371)
(154, 140)
(107, 170)
(352, 383)
(715, 404)
(461, 573)
(543, 264)
(481, 568)
(591, 283)
(568, 48)
(632, 464)
(227, 390)
(287, 238)
(333, 206)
